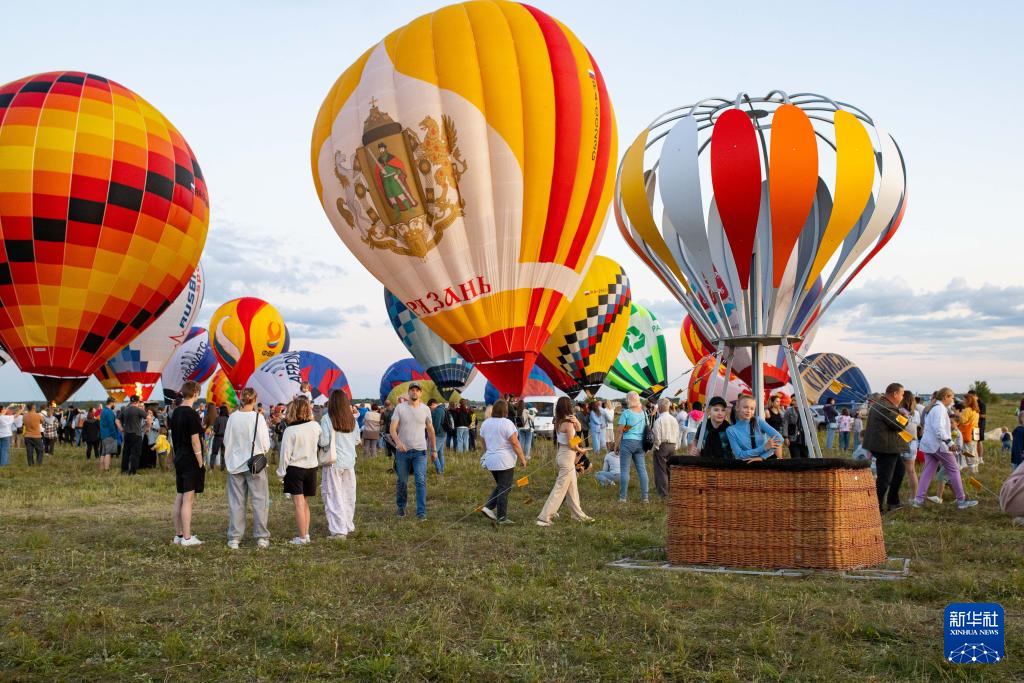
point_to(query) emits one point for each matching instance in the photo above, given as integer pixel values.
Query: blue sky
(243, 83)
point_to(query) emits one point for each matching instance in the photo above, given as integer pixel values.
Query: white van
(543, 410)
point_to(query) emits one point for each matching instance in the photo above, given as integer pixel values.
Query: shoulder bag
(326, 455)
(257, 461)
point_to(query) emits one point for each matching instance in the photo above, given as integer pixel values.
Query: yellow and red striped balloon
(466, 161)
(103, 216)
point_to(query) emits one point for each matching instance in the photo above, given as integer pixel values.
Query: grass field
(91, 589)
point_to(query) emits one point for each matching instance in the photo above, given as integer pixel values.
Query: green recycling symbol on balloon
(635, 339)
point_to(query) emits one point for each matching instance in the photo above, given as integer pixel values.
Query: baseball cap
(133, 399)
(415, 385)
(717, 401)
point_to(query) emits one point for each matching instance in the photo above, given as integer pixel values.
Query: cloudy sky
(244, 81)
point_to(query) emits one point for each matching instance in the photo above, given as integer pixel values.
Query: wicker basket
(807, 513)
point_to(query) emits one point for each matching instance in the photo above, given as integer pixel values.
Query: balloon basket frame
(724, 355)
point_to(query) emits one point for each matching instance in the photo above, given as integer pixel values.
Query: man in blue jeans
(412, 430)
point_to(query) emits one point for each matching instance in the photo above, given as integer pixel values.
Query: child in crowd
(861, 453)
(845, 422)
(162, 448)
(956, 447)
(1006, 439)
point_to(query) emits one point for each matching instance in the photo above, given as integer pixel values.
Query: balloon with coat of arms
(466, 161)
(279, 379)
(642, 364)
(192, 361)
(103, 216)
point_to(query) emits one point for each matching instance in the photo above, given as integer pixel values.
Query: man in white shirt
(666, 437)
(411, 430)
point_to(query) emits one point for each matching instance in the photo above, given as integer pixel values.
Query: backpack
(647, 443)
(448, 421)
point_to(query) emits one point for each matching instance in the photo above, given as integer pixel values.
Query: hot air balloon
(446, 369)
(219, 391)
(399, 375)
(584, 344)
(642, 364)
(104, 213)
(538, 384)
(192, 361)
(139, 365)
(740, 205)
(466, 161)
(111, 384)
(707, 372)
(829, 375)
(279, 379)
(245, 333)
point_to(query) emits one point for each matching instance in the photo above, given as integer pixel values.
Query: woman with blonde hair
(752, 439)
(246, 435)
(935, 443)
(630, 446)
(298, 463)
(338, 434)
(566, 427)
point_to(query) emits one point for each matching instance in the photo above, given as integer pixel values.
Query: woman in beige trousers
(565, 485)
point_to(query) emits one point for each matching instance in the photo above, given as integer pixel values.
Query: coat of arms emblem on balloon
(401, 190)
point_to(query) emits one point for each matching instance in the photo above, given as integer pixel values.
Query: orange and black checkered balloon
(103, 217)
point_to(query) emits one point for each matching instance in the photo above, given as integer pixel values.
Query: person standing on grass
(793, 430)
(566, 425)
(91, 434)
(371, 431)
(80, 419)
(501, 452)
(524, 423)
(412, 432)
(1017, 442)
(220, 423)
(595, 414)
(298, 462)
(339, 431)
(908, 409)
(439, 419)
(882, 439)
(189, 472)
(133, 421)
(666, 437)
(831, 422)
(7, 417)
(970, 418)
(630, 446)
(246, 435)
(50, 430)
(463, 420)
(33, 425)
(935, 443)
(982, 423)
(108, 435)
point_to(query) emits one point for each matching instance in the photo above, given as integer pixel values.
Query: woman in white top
(935, 443)
(246, 435)
(371, 431)
(501, 451)
(339, 433)
(298, 462)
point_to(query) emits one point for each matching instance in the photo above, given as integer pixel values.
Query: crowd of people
(311, 444)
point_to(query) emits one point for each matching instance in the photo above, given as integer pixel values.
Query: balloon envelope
(589, 336)
(279, 379)
(821, 371)
(103, 217)
(538, 384)
(219, 392)
(642, 364)
(401, 372)
(192, 361)
(445, 367)
(139, 365)
(246, 332)
(111, 384)
(466, 161)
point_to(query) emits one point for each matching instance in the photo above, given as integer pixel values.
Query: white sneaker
(964, 504)
(299, 540)
(338, 537)
(263, 543)
(233, 545)
(190, 541)
(488, 512)
(177, 540)
(934, 499)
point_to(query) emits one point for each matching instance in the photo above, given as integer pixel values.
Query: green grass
(92, 590)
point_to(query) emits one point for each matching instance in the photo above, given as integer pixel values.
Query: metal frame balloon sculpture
(754, 209)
